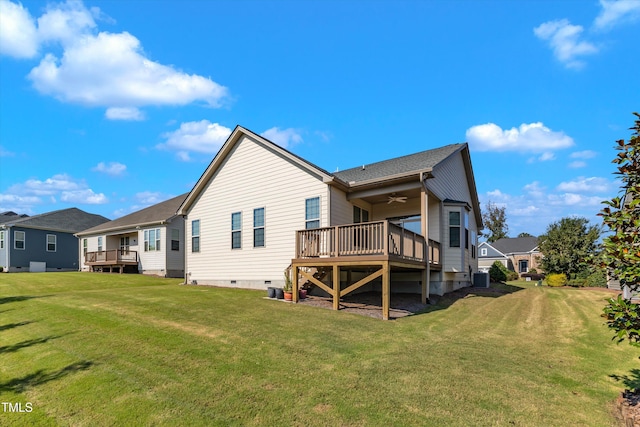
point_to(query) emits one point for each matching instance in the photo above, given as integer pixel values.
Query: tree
(495, 220)
(567, 246)
(524, 234)
(622, 248)
(498, 272)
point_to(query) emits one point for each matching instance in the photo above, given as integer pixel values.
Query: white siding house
(259, 209)
(148, 241)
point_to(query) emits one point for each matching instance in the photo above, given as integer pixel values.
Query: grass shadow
(7, 300)
(19, 385)
(631, 381)
(13, 325)
(495, 290)
(25, 344)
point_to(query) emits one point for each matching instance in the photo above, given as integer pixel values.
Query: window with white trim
(195, 235)
(312, 213)
(258, 228)
(483, 252)
(152, 240)
(454, 229)
(100, 244)
(51, 242)
(1, 239)
(19, 240)
(84, 247)
(236, 230)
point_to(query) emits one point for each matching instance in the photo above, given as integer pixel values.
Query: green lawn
(91, 349)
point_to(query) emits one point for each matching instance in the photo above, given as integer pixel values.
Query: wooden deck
(116, 258)
(380, 245)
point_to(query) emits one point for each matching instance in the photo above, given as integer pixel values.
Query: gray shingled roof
(10, 216)
(153, 214)
(69, 220)
(510, 245)
(412, 163)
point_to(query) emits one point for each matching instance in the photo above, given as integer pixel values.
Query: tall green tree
(622, 247)
(567, 245)
(524, 234)
(495, 220)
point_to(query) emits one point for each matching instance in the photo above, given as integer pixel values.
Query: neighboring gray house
(519, 254)
(148, 241)
(44, 242)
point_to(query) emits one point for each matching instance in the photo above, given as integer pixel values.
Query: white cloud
(201, 137)
(113, 168)
(533, 137)
(124, 113)
(577, 164)
(545, 157)
(6, 153)
(18, 33)
(97, 69)
(86, 196)
(614, 12)
(585, 185)
(22, 197)
(283, 137)
(564, 40)
(586, 154)
(142, 200)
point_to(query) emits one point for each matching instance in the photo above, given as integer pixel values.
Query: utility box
(480, 280)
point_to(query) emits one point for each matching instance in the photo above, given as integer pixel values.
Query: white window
(236, 230)
(51, 242)
(1, 239)
(454, 229)
(100, 244)
(195, 235)
(19, 240)
(483, 251)
(152, 240)
(523, 266)
(84, 247)
(258, 228)
(312, 213)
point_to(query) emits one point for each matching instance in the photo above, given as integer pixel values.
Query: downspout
(184, 245)
(8, 246)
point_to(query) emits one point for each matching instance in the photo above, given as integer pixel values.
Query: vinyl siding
(252, 176)
(341, 208)
(450, 182)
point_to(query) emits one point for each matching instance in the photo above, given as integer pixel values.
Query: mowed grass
(92, 349)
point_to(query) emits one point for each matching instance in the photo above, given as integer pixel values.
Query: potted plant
(288, 287)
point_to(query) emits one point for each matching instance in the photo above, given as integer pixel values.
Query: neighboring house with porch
(43, 242)
(519, 254)
(148, 241)
(404, 224)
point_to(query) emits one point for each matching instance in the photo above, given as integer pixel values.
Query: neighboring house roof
(404, 165)
(69, 220)
(156, 214)
(511, 245)
(9, 216)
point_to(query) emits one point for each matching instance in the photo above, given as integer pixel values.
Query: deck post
(294, 281)
(386, 288)
(336, 287)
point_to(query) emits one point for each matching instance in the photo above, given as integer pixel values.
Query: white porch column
(424, 228)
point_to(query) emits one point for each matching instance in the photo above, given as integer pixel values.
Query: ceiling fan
(394, 198)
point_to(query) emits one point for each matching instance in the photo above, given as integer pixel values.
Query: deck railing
(114, 256)
(369, 238)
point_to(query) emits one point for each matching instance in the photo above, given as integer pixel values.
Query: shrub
(512, 275)
(596, 279)
(533, 271)
(534, 276)
(498, 272)
(556, 280)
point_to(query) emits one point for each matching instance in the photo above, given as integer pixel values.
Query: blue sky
(111, 106)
